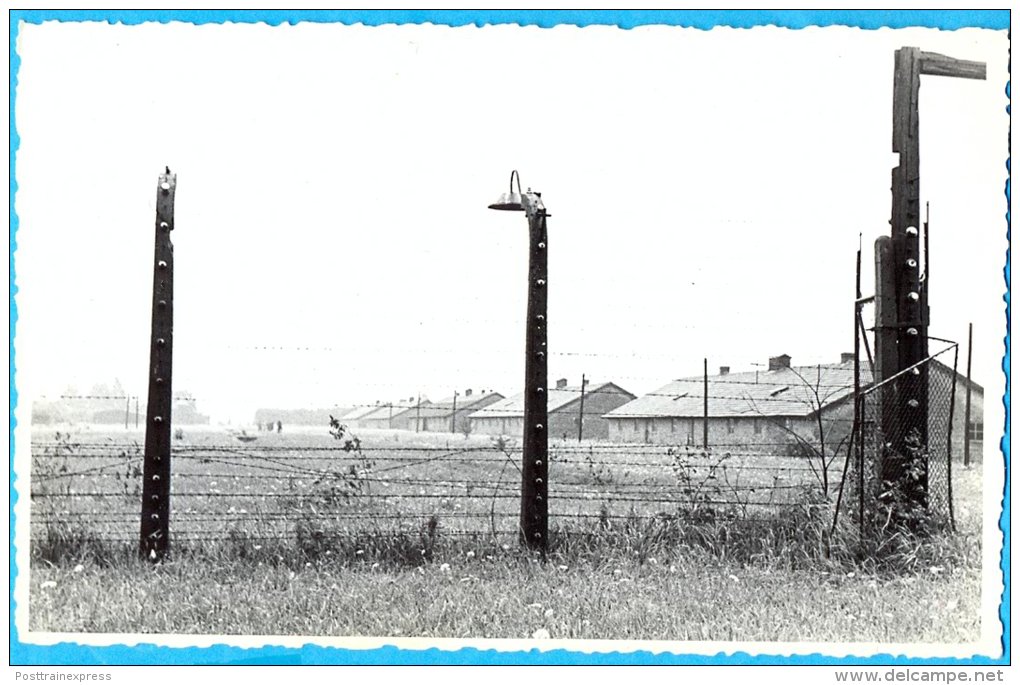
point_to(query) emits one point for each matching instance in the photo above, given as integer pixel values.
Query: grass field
(617, 569)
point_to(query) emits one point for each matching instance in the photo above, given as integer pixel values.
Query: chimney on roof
(846, 357)
(723, 370)
(561, 383)
(780, 362)
(467, 393)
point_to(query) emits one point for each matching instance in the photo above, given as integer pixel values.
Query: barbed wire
(491, 448)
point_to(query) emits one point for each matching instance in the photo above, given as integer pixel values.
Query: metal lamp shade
(509, 202)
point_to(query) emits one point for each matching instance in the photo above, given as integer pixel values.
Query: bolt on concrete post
(155, 523)
(534, 522)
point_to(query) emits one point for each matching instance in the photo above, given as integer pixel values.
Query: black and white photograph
(583, 340)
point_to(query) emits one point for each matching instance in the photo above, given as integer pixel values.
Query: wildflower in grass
(549, 613)
(79, 568)
(47, 584)
(540, 634)
(935, 570)
(375, 566)
(360, 552)
(445, 568)
(563, 567)
(734, 578)
(470, 554)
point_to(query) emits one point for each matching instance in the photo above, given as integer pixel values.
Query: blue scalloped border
(148, 654)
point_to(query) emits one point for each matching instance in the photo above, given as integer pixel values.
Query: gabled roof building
(566, 420)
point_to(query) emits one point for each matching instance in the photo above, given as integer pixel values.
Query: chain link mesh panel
(900, 462)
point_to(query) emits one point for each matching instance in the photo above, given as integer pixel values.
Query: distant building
(506, 417)
(770, 408)
(750, 408)
(392, 414)
(354, 417)
(451, 413)
(300, 417)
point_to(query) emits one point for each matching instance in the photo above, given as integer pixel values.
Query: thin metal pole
(127, 411)
(136, 412)
(966, 411)
(858, 401)
(155, 524)
(705, 418)
(453, 416)
(949, 439)
(534, 468)
(580, 415)
(417, 415)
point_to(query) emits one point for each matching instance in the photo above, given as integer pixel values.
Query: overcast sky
(332, 241)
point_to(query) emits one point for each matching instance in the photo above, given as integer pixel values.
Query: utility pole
(453, 414)
(155, 525)
(705, 419)
(901, 293)
(580, 415)
(966, 411)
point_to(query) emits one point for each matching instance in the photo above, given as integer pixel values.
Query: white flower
(445, 568)
(549, 613)
(470, 555)
(48, 584)
(734, 578)
(79, 568)
(562, 567)
(540, 634)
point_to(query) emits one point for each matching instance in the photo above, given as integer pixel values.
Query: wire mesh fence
(900, 464)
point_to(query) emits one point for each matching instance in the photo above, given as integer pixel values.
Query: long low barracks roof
(445, 406)
(513, 407)
(788, 391)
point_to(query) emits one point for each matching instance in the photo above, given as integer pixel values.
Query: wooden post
(534, 467)
(907, 411)
(580, 413)
(966, 410)
(705, 419)
(155, 524)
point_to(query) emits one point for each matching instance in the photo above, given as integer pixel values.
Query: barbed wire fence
(311, 495)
